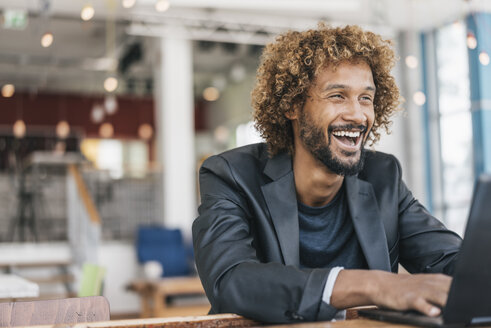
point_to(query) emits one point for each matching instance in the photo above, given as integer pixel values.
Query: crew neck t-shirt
(327, 236)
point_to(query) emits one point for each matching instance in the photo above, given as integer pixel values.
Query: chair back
(166, 246)
(52, 312)
(92, 280)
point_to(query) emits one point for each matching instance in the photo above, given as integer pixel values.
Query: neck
(315, 184)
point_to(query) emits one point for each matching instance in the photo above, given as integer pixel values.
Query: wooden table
(154, 293)
(222, 321)
(64, 277)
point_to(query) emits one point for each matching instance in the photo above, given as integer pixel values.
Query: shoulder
(247, 160)
(379, 159)
(252, 152)
(380, 165)
(234, 172)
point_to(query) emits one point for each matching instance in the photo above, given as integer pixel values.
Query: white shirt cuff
(331, 280)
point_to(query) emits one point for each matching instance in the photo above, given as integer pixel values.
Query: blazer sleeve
(425, 244)
(234, 279)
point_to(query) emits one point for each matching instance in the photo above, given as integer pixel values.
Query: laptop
(469, 298)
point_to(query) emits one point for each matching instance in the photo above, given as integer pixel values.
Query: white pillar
(175, 128)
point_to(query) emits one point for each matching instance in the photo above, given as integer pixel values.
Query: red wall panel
(46, 110)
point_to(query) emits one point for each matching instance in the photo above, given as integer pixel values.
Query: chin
(344, 163)
(349, 158)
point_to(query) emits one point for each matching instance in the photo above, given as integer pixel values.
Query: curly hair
(289, 67)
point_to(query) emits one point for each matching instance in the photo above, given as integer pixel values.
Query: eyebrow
(343, 86)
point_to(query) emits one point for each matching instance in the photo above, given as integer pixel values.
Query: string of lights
(472, 42)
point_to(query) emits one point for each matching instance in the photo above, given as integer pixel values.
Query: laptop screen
(469, 299)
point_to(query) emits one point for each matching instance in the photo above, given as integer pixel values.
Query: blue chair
(166, 246)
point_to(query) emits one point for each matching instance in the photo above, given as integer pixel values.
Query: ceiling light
(162, 5)
(484, 58)
(471, 40)
(457, 24)
(110, 104)
(97, 114)
(221, 134)
(411, 61)
(62, 129)
(19, 129)
(419, 98)
(87, 12)
(219, 82)
(47, 39)
(128, 3)
(145, 131)
(106, 130)
(110, 84)
(211, 94)
(238, 73)
(8, 90)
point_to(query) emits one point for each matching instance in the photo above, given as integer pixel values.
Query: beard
(313, 138)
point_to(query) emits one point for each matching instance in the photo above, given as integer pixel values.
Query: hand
(419, 292)
(425, 293)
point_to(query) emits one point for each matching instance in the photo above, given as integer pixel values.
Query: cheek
(370, 115)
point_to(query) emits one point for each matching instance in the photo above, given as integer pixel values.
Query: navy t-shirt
(327, 236)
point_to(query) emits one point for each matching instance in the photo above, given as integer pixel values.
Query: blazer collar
(278, 166)
(368, 226)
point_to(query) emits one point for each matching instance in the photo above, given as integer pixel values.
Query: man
(311, 222)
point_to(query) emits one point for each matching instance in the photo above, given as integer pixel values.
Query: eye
(336, 96)
(366, 98)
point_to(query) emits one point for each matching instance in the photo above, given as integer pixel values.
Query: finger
(438, 298)
(424, 307)
(437, 291)
(435, 288)
(439, 281)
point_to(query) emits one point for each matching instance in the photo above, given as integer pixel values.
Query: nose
(355, 113)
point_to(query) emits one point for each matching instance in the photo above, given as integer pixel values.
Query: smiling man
(311, 222)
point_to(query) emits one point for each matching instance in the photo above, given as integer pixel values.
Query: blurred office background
(108, 107)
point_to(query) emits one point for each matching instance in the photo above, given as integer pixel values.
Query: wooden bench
(154, 295)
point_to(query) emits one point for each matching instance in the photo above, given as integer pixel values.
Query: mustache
(362, 128)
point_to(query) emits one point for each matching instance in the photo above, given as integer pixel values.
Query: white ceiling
(79, 58)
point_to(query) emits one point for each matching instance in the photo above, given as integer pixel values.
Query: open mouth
(348, 138)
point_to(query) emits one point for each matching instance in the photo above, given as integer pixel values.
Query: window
(455, 125)
(119, 157)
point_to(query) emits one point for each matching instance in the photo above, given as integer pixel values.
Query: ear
(292, 114)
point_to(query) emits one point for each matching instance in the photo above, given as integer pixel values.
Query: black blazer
(246, 237)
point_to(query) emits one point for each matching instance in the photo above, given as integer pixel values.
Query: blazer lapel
(281, 198)
(368, 225)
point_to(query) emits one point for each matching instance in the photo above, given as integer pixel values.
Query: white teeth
(347, 134)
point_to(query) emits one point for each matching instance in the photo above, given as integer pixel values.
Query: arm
(424, 245)
(401, 292)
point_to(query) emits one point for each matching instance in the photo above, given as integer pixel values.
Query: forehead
(356, 74)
